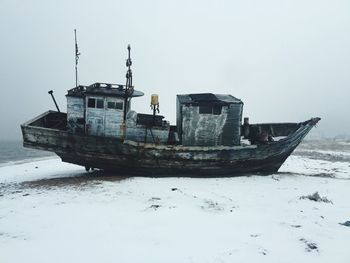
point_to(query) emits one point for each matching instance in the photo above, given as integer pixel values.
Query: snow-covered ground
(54, 212)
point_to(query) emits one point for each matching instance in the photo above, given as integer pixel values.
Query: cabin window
(100, 103)
(91, 103)
(111, 105)
(119, 105)
(210, 109)
(204, 109)
(115, 105)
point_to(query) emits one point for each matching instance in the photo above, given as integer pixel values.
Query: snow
(336, 153)
(54, 212)
(322, 168)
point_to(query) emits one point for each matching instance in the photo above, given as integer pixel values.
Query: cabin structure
(203, 119)
(208, 119)
(99, 109)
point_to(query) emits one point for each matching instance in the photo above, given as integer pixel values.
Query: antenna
(77, 54)
(129, 89)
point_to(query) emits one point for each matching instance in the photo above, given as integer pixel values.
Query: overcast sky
(287, 60)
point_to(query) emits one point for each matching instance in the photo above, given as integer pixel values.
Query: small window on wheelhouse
(205, 109)
(111, 105)
(91, 103)
(100, 104)
(119, 105)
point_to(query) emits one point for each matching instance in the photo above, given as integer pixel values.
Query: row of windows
(115, 105)
(210, 109)
(96, 103)
(99, 104)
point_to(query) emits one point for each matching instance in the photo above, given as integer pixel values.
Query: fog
(287, 60)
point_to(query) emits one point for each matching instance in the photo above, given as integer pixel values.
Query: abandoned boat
(100, 130)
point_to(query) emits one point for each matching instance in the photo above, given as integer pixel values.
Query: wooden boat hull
(132, 158)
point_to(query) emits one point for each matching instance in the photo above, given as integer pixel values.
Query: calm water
(12, 151)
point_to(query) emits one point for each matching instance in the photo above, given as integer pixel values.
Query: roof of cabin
(207, 98)
(102, 89)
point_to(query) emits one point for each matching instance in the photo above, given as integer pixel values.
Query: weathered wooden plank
(116, 154)
(217, 124)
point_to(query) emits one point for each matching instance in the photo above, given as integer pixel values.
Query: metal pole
(128, 85)
(77, 54)
(154, 115)
(53, 98)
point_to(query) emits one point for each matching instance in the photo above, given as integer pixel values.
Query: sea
(12, 152)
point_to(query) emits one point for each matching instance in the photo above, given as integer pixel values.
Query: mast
(77, 54)
(129, 89)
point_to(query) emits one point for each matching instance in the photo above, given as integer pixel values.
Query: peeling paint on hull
(134, 158)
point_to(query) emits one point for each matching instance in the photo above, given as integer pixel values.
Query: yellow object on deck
(154, 99)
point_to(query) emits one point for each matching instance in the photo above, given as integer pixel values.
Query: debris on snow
(317, 198)
(309, 245)
(212, 206)
(155, 207)
(347, 223)
(154, 199)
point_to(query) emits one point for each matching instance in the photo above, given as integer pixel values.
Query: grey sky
(287, 60)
